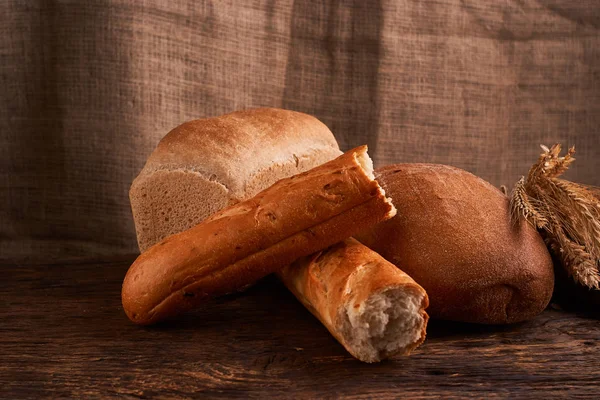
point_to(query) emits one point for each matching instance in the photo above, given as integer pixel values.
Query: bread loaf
(237, 246)
(369, 305)
(453, 235)
(205, 165)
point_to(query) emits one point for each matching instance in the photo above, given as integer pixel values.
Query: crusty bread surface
(453, 235)
(242, 243)
(369, 305)
(205, 165)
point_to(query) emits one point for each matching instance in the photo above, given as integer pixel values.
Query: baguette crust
(244, 242)
(345, 276)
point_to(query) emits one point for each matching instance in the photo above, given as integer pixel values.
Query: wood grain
(63, 333)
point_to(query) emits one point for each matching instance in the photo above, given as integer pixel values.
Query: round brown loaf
(452, 234)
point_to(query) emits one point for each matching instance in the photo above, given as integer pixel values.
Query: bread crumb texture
(387, 323)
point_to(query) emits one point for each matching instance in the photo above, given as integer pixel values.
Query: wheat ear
(568, 213)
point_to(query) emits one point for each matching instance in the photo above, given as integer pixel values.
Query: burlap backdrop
(88, 88)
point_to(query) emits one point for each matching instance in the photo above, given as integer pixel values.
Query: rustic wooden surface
(63, 333)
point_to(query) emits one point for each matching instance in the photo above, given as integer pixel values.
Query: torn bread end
(366, 163)
(386, 323)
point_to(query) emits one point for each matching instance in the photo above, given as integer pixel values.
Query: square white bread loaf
(205, 165)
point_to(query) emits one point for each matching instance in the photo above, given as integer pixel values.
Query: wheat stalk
(566, 212)
(521, 204)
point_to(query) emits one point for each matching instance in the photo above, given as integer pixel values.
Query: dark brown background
(88, 88)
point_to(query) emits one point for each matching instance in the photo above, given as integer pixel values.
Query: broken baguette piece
(369, 305)
(242, 243)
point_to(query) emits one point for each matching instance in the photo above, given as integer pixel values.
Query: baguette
(242, 243)
(369, 305)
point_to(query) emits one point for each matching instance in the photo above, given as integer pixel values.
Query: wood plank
(63, 333)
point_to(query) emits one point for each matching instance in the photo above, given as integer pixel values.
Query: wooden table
(63, 333)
